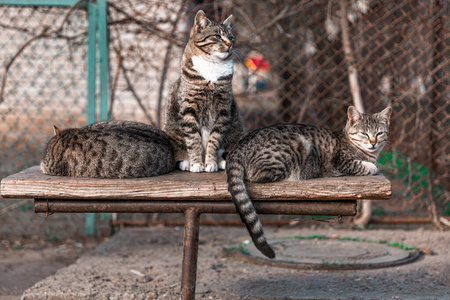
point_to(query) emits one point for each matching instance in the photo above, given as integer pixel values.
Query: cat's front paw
(197, 168)
(184, 165)
(222, 164)
(212, 167)
(370, 168)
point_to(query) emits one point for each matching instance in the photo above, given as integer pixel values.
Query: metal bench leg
(190, 252)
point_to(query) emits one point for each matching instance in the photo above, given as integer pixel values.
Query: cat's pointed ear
(55, 130)
(201, 21)
(386, 114)
(353, 115)
(227, 22)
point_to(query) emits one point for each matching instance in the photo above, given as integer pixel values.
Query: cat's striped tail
(243, 204)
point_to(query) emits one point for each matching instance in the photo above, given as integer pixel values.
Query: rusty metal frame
(330, 208)
(192, 211)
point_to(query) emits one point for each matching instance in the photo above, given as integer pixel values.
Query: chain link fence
(43, 84)
(290, 66)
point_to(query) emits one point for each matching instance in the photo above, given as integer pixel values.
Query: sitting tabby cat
(111, 149)
(296, 152)
(201, 115)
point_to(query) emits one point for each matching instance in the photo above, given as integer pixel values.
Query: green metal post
(97, 23)
(91, 89)
(39, 2)
(103, 59)
(104, 68)
(92, 63)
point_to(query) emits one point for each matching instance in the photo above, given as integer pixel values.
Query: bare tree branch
(166, 66)
(350, 59)
(286, 12)
(13, 58)
(13, 206)
(44, 33)
(136, 96)
(365, 205)
(117, 73)
(150, 26)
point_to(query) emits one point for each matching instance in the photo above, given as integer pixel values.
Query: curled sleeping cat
(111, 149)
(297, 152)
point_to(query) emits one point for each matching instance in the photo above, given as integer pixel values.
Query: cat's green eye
(380, 133)
(217, 36)
(365, 134)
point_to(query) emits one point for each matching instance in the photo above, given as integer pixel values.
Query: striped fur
(201, 115)
(298, 152)
(112, 149)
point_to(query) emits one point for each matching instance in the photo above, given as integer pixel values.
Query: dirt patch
(146, 264)
(25, 261)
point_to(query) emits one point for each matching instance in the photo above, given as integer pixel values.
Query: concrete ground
(25, 261)
(145, 263)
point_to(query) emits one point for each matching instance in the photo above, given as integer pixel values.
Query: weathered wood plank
(31, 183)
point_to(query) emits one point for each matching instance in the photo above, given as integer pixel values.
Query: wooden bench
(192, 194)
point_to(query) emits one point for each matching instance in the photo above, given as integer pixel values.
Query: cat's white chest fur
(212, 70)
(205, 137)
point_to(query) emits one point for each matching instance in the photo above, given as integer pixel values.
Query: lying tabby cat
(296, 152)
(111, 149)
(201, 115)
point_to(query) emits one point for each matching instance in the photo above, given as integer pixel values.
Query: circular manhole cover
(322, 253)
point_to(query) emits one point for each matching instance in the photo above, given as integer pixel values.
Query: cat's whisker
(237, 55)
